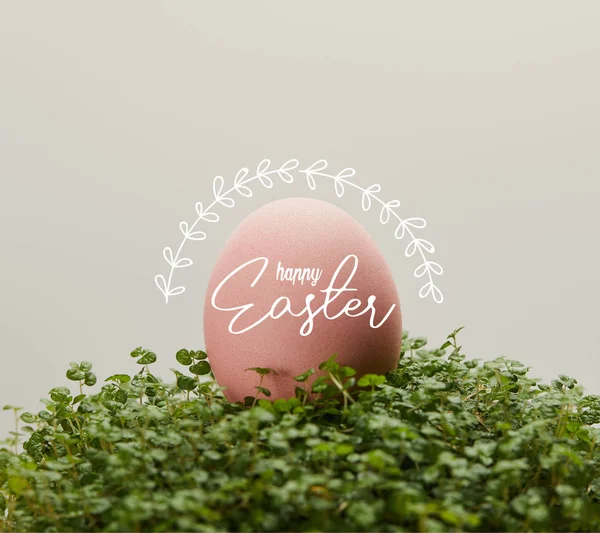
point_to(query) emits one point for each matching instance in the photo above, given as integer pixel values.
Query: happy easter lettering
(300, 274)
(283, 305)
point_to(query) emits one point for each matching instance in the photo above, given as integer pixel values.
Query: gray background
(483, 118)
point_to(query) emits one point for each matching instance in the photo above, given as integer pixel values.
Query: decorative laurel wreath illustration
(266, 175)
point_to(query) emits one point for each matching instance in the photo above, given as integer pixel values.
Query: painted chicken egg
(297, 281)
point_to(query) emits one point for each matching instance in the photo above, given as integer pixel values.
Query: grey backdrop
(115, 116)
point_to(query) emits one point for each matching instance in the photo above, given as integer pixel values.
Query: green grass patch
(442, 443)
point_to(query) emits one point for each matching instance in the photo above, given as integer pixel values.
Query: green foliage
(442, 443)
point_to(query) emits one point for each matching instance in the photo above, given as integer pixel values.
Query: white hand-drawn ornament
(265, 175)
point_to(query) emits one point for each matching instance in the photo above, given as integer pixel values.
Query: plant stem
(16, 432)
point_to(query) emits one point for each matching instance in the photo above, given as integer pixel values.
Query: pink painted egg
(298, 281)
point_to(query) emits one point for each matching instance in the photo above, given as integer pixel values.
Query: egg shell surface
(298, 233)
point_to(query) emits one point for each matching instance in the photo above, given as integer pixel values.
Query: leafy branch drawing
(266, 175)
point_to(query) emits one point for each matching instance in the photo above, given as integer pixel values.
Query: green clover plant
(440, 443)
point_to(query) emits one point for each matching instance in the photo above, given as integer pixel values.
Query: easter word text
(283, 305)
(300, 274)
